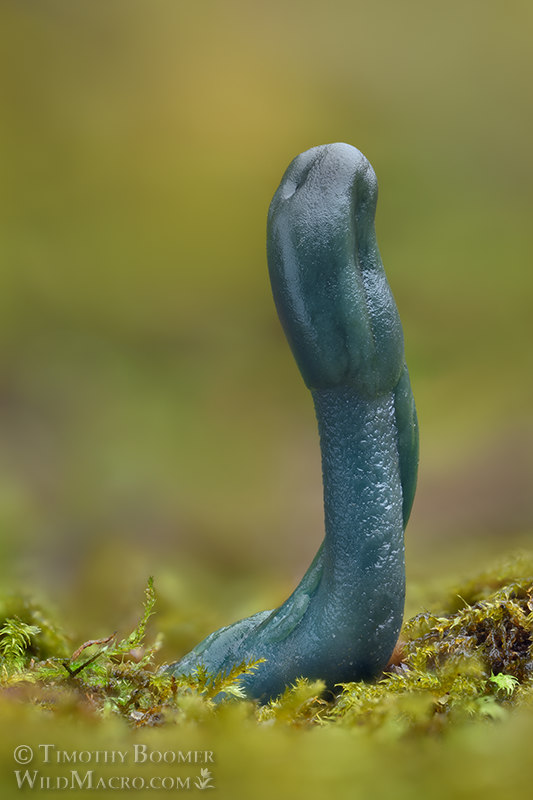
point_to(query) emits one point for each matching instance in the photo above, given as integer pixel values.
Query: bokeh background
(152, 420)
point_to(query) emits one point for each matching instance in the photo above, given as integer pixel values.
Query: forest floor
(451, 717)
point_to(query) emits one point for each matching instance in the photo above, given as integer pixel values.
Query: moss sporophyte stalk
(331, 293)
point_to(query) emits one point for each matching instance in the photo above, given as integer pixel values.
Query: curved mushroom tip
(324, 161)
(327, 278)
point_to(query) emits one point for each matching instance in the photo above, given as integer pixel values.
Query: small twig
(84, 646)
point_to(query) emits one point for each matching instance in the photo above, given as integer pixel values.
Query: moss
(452, 717)
(467, 660)
(470, 658)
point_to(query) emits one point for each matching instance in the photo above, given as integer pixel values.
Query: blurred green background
(152, 419)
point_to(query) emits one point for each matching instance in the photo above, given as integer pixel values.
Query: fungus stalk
(342, 621)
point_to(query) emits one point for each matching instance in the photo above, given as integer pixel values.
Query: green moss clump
(28, 632)
(471, 658)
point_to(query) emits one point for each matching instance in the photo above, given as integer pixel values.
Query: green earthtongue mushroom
(342, 621)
